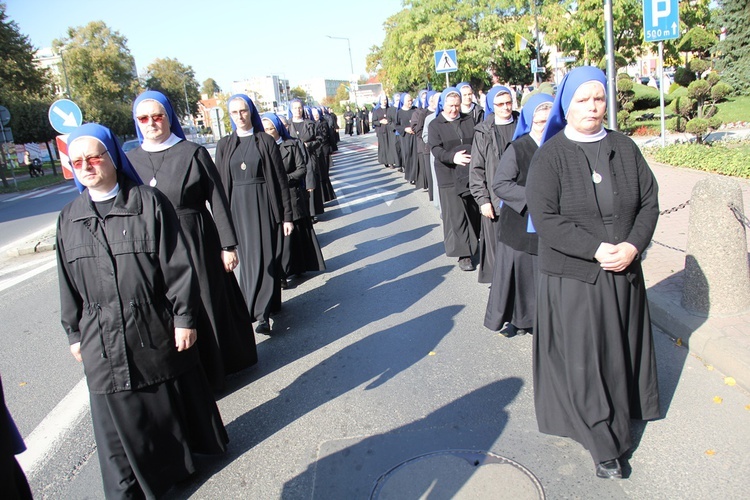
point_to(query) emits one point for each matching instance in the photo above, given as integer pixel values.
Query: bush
(698, 65)
(674, 87)
(710, 158)
(645, 97)
(720, 91)
(683, 76)
(678, 92)
(622, 119)
(699, 89)
(712, 78)
(675, 124)
(698, 127)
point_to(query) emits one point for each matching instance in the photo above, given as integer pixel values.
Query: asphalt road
(379, 359)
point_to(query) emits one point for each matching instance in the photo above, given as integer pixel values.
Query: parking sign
(661, 20)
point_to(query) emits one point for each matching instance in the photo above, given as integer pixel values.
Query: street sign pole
(447, 81)
(661, 93)
(661, 21)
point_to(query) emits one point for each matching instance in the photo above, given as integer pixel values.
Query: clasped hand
(615, 258)
(462, 158)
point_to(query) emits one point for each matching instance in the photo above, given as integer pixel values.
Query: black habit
(187, 176)
(490, 141)
(460, 212)
(301, 250)
(256, 185)
(594, 361)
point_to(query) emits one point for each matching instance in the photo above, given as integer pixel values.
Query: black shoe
(523, 331)
(609, 469)
(509, 330)
(263, 327)
(284, 284)
(465, 264)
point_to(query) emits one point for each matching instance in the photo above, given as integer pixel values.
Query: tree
(101, 73)
(342, 94)
(734, 51)
(25, 89)
(210, 87)
(175, 80)
(298, 93)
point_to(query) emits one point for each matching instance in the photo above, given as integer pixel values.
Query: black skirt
(594, 362)
(513, 290)
(460, 223)
(145, 438)
(487, 243)
(301, 250)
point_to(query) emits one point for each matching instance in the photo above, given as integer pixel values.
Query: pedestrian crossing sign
(446, 61)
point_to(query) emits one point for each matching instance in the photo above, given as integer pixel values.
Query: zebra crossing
(40, 193)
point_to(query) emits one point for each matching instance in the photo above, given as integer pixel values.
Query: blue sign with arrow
(661, 20)
(65, 116)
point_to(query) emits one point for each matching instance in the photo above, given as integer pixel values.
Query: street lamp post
(353, 84)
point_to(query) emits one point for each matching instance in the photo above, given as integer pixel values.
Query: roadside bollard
(717, 277)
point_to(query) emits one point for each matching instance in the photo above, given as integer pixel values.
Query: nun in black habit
(450, 138)
(256, 185)
(594, 202)
(301, 250)
(186, 174)
(380, 121)
(491, 137)
(304, 129)
(323, 132)
(394, 151)
(129, 304)
(408, 140)
(511, 307)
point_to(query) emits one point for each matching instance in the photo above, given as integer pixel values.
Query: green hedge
(719, 158)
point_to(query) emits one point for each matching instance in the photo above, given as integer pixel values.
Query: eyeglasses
(94, 161)
(504, 103)
(156, 117)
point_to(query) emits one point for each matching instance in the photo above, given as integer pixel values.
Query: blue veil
(489, 103)
(565, 91)
(443, 96)
(527, 113)
(107, 138)
(174, 121)
(280, 128)
(254, 116)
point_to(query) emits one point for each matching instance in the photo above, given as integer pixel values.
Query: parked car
(131, 144)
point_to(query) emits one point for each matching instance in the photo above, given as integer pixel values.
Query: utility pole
(611, 84)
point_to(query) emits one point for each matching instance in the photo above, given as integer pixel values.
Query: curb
(41, 241)
(722, 348)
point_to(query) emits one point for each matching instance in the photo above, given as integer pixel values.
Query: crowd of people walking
(553, 208)
(556, 211)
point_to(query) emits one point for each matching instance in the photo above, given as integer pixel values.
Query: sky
(227, 40)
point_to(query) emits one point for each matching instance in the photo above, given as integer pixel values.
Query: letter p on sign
(659, 9)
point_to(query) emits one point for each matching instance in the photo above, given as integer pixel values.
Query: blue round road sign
(65, 116)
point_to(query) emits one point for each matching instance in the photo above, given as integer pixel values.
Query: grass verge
(28, 184)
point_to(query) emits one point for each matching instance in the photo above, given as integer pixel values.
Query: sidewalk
(719, 341)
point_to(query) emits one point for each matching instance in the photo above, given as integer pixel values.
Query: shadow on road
(474, 421)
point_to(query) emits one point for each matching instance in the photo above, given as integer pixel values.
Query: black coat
(485, 155)
(273, 172)
(126, 282)
(445, 142)
(293, 156)
(509, 185)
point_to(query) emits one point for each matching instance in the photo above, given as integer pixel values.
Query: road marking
(59, 190)
(45, 440)
(4, 285)
(387, 196)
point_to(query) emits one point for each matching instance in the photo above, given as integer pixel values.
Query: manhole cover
(459, 474)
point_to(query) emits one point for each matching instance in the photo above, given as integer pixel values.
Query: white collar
(162, 146)
(99, 196)
(279, 140)
(504, 122)
(468, 110)
(450, 119)
(577, 136)
(244, 133)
